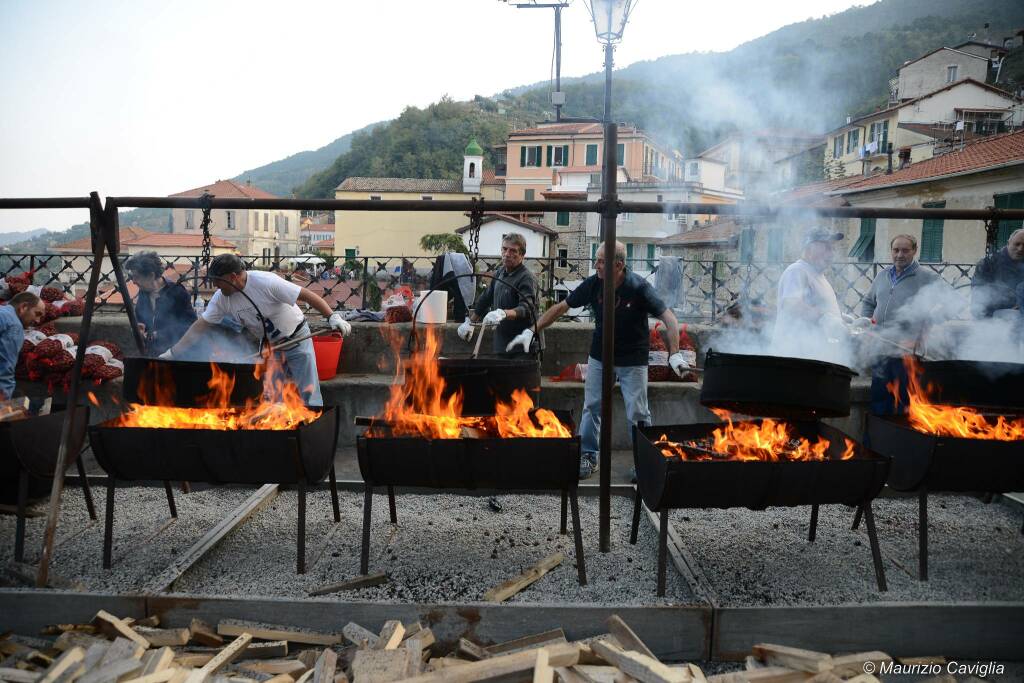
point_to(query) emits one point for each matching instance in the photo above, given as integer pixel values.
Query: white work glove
(524, 338)
(678, 363)
(857, 323)
(339, 324)
(465, 330)
(494, 317)
(166, 355)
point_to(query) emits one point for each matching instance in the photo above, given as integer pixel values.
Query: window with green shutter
(620, 154)
(562, 219)
(1006, 228)
(650, 256)
(549, 156)
(864, 248)
(747, 245)
(931, 235)
(522, 157)
(591, 155)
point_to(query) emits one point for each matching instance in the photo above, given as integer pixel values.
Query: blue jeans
(633, 383)
(300, 365)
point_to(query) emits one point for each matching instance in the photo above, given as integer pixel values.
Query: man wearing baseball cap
(806, 300)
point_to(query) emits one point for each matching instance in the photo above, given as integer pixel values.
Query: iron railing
(705, 288)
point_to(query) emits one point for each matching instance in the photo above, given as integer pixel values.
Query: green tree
(438, 243)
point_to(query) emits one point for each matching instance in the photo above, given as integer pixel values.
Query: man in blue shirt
(23, 310)
(635, 300)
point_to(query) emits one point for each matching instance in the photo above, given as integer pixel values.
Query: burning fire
(944, 420)
(417, 407)
(280, 408)
(767, 441)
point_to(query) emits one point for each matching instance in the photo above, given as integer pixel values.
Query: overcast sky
(148, 97)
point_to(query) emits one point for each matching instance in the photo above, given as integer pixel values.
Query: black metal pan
(152, 381)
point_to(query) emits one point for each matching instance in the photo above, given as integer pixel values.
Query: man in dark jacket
(998, 281)
(895, 286)
(164, 308)
(510, 301)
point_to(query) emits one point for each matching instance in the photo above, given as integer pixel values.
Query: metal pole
(609, 199)
(97, 223)
(112, 242)
(558, 58)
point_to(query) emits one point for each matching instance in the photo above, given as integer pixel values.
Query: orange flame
(417, 407)
(945, 420)
(280, 408)
(767, 441)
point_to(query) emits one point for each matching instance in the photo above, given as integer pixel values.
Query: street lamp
(610, 17)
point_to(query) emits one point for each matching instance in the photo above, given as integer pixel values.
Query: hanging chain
(476, 217)
(991, 235)
(206, 200)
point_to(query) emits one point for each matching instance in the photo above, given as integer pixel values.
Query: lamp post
(610, 17)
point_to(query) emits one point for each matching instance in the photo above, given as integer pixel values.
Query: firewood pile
(115, 650)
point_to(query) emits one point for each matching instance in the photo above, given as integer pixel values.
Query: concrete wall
(491, 239)
(929, 74)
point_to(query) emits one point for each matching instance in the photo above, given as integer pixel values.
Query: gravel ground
(976, 553)
(146, 540)
(446, 548)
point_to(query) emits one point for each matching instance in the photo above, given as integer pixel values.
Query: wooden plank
(223, 658)
(567, 674)
(326, 665)
(590, 673)
(203, 633)
(792, 657)
(685, 563)
(421, 642)
(513, 586)
(274, 649)
(280, 678)
(364, 581)
(390, 635)
(113, 672)
(559, 654)
(121, 648)
(696, 673)
(13, 675)
(162, 676)
(380, 666)
(641, 667)
(853, 664)
(359, 636)
(234, 627)
(70, 661)
(275, 667)
(771, 674)
(164, 637)
(94, 654)
(164, 582)
(542, 671)
(157, 660)
(534, 640)
(627, 639)
(470, 650)
(113, 627)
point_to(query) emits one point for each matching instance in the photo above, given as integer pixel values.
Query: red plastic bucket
(327, 349)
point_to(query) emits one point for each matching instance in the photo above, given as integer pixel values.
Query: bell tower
(472, 167)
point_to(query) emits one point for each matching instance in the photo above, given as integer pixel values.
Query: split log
(68, 663)
(359, 636)
(157, 660)
(121, 648)
(770, 674)
(113, 627)
(853, 665)
(274, 649)
(280, 678)
(113, 672)
(590, 673)
(470, 650)
(325, 667)
(204, 634)
(235, 627)
(513, 586)
(390, 636)
(58, 629)
(628, 640)
(162, 676)
(364, 581)
(793, 657)
(641, 667)
(164, 637)
(192, 661)
(529, 642)
(95, 654)
(380, 666)
(13, 675)
(223, 658)
(542, 671)
(559, 654)
(70, 639)
(275, 667)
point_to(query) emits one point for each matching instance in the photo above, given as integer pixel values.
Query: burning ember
(418, 408)
(955, 421)
(767, 441)
(280, 408)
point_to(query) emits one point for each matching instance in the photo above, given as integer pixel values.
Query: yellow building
(398, 233)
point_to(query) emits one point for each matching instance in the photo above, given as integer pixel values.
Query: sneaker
(588, 465)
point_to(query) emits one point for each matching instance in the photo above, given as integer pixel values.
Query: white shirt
(275, 298)
(804, 283)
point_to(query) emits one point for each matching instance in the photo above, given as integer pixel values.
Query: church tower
(472, 167)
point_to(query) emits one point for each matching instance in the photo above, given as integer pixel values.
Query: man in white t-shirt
(807, 304)
(234, 305)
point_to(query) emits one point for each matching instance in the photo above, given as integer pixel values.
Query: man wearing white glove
(513, 297)
(277, 300)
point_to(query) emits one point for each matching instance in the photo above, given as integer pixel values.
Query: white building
(495, 226)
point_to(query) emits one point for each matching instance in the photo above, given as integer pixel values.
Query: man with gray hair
(22, 311)
(635, 300)
(806, 301)
(510, 300)
(998, 282)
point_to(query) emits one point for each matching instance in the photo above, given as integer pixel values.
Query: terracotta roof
(227, 189)
(138, 237)
(360, 184)
(318, 227)
(529, 225)
(324, 243)
(489, 178)
(721, 232)
(977, 156)
(127, 233)
(815, 194)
